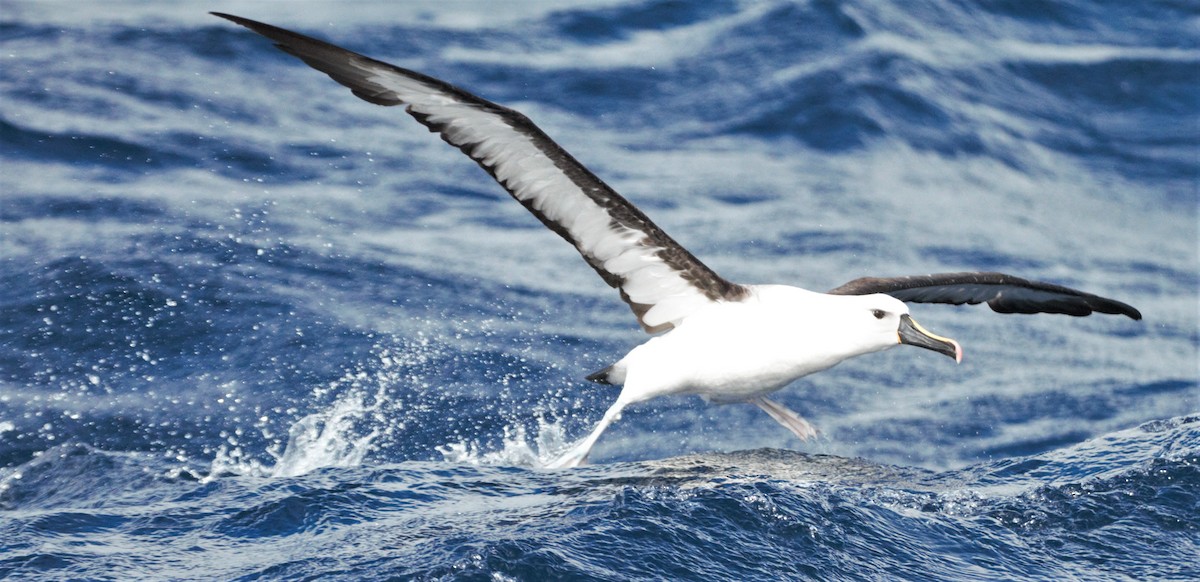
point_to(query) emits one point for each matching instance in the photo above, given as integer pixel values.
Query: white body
(732, 352)
(741, 351)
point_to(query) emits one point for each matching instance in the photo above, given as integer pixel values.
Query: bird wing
(660, 280)
(1003, 293)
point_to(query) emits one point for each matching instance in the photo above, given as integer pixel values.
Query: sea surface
(254, 328)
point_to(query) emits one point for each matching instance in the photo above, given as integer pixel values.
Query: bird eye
(879, 313)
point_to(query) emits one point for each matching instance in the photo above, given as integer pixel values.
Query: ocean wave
(251, 326)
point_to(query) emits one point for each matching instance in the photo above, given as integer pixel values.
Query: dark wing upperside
(660, 280)
(1003, 293)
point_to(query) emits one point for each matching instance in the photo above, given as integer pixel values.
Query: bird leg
(578, 454)
(794, 422)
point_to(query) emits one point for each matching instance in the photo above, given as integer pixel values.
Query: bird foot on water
(574, 457)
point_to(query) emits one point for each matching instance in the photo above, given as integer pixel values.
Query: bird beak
(913, 334)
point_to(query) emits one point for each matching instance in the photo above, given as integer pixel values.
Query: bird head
(888, 317)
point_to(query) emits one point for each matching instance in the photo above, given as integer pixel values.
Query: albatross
(724, 341)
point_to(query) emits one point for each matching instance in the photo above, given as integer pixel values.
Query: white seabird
(723, 341)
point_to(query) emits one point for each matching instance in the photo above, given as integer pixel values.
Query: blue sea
(254, 328)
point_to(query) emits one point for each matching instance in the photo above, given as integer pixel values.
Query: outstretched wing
(660, 280)
(1003, 293)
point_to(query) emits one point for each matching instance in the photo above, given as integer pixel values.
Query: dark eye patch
(879, 313)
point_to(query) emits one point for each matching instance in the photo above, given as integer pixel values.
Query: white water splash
(331, 438)
(366, 412)
(343, 433)
(516, 450)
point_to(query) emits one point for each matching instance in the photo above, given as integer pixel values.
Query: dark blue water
(252, 327)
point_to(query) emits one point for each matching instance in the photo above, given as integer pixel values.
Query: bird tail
(601, 376)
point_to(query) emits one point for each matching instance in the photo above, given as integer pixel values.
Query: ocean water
(252, 327)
